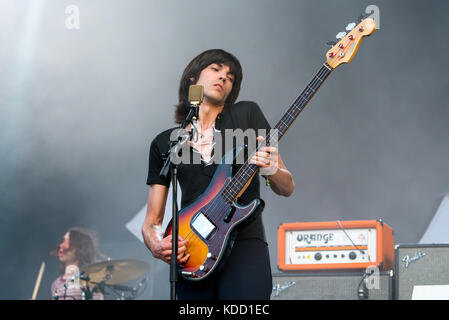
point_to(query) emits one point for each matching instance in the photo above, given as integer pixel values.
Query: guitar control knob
(352, 255)
(203, 268)
(211, 256)
(318, 256)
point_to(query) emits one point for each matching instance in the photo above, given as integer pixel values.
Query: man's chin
(215, 98)
(216, 102)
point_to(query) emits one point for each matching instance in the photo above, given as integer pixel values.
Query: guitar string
(315, 83)
(236, 181)
(248, 169)
(297, 109)
(317, 79)
(212, 207)
(189, 234)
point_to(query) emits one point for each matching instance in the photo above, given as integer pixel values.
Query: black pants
(245, 275)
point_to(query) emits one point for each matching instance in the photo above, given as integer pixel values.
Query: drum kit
(108, 277)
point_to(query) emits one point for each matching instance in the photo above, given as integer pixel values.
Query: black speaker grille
(420, 265)
(328, 286)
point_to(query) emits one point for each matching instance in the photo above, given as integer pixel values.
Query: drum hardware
(121, 292)
(108, 277)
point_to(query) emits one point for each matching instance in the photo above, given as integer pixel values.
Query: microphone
(196, 95)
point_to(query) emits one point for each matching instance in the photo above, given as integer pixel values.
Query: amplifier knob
(318, 256)
(352, 255)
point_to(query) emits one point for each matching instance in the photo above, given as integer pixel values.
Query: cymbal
(115, 271)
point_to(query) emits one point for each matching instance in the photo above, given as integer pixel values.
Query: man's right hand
(152, 232)
(163, 249)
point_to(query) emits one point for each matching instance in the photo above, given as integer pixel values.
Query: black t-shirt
(195, 178)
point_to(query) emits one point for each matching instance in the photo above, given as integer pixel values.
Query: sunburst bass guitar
(208, 222)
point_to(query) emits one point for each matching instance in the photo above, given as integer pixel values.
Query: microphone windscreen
(196, 93)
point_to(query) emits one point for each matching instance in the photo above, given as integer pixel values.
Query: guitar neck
(241, 180)
(303, 99)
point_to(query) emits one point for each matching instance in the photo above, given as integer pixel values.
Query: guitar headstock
(345, 49)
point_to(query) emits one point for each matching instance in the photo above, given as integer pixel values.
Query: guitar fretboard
(247, 170)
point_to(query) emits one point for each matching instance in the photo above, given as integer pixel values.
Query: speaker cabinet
(420, 265)
(333, 286)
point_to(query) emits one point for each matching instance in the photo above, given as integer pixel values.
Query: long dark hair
(85, 243)
(194, 69)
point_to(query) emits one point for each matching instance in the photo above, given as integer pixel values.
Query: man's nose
(222, 77)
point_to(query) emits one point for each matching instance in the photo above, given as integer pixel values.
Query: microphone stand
(192, 115)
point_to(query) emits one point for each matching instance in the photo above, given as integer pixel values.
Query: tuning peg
(331, 43)
(340, 35)
(350, 26)
(362, 17)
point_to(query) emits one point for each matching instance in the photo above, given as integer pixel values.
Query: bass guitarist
(246, 272)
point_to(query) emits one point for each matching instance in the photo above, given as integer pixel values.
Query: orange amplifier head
(335, 245)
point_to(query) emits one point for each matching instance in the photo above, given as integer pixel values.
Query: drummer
(78, 248)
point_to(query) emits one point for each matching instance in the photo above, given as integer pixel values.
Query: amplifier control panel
(334, 245)
(330, 246)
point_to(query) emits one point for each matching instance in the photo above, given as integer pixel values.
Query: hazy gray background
(79, 108)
